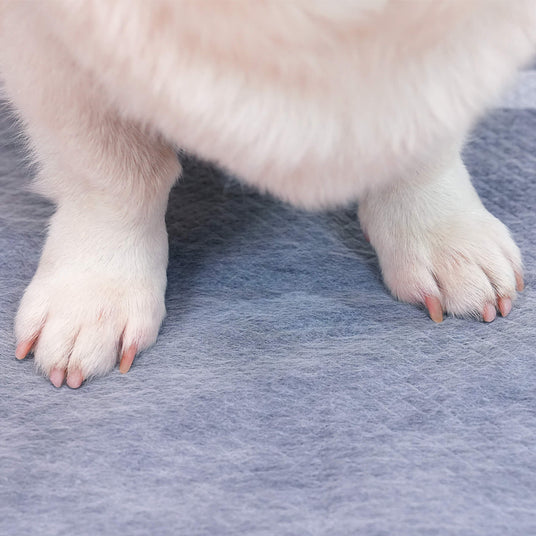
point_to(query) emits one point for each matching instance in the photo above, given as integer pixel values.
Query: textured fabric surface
(288, 393)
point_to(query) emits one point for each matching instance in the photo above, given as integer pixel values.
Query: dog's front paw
(470, 268)
(97, 296)
(438, 246)
(79, 324)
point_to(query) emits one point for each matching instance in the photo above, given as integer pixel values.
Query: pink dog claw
(57, 376)
(434, 308)
(489, 313)
(505, 306)
(23, 348)
(74, 379)
(520, 285)
(127, 358)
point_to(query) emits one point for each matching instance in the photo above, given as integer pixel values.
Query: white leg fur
(434, 238)
(99, 289)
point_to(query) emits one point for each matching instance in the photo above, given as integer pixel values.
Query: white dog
(319, 102)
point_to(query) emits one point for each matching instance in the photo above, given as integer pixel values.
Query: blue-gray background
(288, 393)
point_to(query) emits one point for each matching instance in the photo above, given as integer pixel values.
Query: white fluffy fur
(317, 102)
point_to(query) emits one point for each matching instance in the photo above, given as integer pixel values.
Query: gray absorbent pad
(288, 393)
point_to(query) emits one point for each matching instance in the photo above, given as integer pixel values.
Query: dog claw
(57, 376)
(505, 306)
(74, 379)
(520, 284)
(23, 348)
(434, 308)
(489, 313)
(127, 358)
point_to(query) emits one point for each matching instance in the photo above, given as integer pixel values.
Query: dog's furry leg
(99, 289)
(437, 244)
